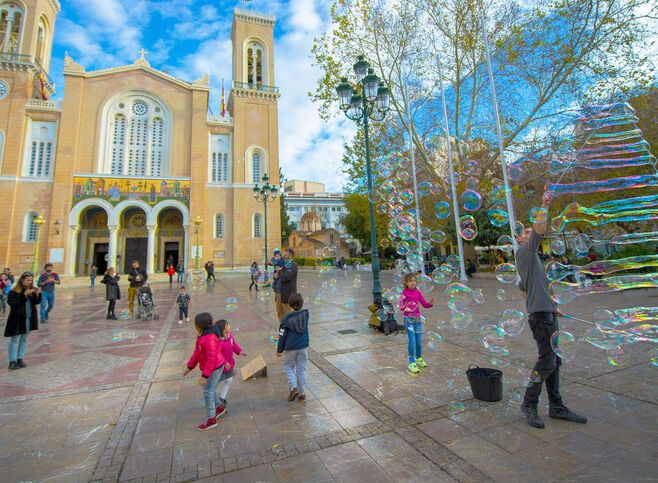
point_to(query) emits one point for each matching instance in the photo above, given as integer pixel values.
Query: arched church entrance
(93, 240)
(171, 239)
(133, 238)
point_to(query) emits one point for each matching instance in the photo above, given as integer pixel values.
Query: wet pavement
(105, 400)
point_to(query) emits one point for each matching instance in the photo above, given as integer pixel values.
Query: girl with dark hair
(253, 270)
(229, 347)
(112, 292)
(23, 300)
(208, 355)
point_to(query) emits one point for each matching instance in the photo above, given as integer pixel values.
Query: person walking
(5, 287)
(10, 276)
(170, 271)
(137, 277)
(254, 271)
(170, 261)
(287, 285)
(47, 281)
(210, 269)
(294, 341)
(23, 300)
(180, 270)
(112, 292)
(184, 302)
(542, 318)
(92, 276)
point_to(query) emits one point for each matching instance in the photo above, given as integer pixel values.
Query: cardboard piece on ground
(253, 367)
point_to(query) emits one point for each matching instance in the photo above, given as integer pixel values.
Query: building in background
(124, 164)
(310, 208)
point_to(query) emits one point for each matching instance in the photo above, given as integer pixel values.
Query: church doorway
(93, 241)
(136, 249)
(171, 238)
(135, 234)
(101, 251)
(171, 254)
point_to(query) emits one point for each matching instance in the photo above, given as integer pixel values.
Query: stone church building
(130, 159)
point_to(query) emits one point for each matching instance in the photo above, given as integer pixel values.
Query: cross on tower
(142, 54)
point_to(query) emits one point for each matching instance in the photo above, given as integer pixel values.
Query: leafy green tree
(286, 227)
(357, 220)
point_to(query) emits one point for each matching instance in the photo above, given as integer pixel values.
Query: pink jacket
(208, 354)
(229, 347)
(416, 298)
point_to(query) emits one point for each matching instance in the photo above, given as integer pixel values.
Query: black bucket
(486, 384)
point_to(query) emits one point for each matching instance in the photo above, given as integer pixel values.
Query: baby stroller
(147, 308)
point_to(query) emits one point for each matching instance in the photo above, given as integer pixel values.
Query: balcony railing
(40, 104)
(255, 87)
(28, 60)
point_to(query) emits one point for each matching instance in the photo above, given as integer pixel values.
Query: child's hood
(297, 321)
(213, 330)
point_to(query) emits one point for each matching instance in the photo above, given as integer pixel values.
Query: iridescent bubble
(459, 296)
(501, 295)
(434, 340)
(471, 200)
(415, 261)
(653, 357)
(406, 197)
(557, 246)
(453, 261)
(616, 356)
(505, 243)
(460, 320)
(605, 317)
(518, 228)
(538, 215)
(493, 339)
(472, 183)
(598, 338)
(402, 248)
(582, 243)
(506, 273)
(472, 168)
(498, 195)
(231, 304)
(564, 344)
(498, 217)
(125, 315)
(478, 296)
(436, 189)
(382, 315)
(468, 228)
(442, 210)
(407, 306)
(387, 187)
(403, 177)
(424, 284)
(441, 277)
(455, 408)
(374, 196)
(424, 188)
(512, 322)
(437, 236)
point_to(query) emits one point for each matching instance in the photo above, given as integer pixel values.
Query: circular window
(4, 89)
(140, 108)
(43, 130)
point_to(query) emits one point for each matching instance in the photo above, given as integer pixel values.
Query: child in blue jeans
(410, 303)
(294, 341)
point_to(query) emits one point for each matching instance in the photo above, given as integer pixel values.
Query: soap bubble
(382, 315)
(512, 322)
(582, 243)
(478, 296)
(125, 315)
(402, 248)
(471, 200)
(231, 304)
(468, 228)
(564, 344)
(442, 277)
(518, 228)
(435, 340)
(653, 357)
(606, 317)
(562, 293)
(498, 217)
(262, 278)
(442, 210)
(424, 188)
(407, 306)
(374, 196)
(455, 408)
(460, 320)
(616, 356)
(506, 273)
(557, 246)
(406, 197)
(598, 338)
(492, 338)
(472, 183)
(387, 187)
(501, 295)
(505, 243)
(498, 195)
(437, 236)
(538, 215)
(459, 296)
(472, 168)
(453, 261)
(403, 177)
(424, 284)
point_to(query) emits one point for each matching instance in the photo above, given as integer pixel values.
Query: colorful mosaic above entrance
(116, 190)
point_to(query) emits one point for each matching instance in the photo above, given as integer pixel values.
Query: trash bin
(486, 384)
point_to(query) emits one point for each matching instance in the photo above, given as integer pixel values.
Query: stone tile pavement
(105, 400)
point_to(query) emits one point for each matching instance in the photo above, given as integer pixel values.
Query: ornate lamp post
(265, 194)
(39, 221)
(197, 258)
(372, 104)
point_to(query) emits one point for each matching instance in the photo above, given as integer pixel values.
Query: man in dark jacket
(294, 340)
(287, 275)
(137, 277)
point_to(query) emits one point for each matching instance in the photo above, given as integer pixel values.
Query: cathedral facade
(130, 164)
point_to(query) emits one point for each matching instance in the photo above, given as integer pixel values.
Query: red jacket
(229, 347)
(208, 354)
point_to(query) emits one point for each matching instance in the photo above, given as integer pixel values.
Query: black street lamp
(373, 104)
(265, 194)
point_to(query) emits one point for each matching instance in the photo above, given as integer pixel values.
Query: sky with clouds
(188, 38)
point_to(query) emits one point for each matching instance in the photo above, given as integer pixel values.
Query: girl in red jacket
(229, 347)
(208, 354)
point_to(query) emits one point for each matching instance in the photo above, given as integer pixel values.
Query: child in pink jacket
(410, 303)
(229, 347)
(208, 354)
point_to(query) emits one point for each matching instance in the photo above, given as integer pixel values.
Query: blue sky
(191, 37)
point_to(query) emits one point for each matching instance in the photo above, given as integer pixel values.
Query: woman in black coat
(23, 300)
(112, 291)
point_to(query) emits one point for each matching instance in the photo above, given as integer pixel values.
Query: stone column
(72, 248)
(7, 39)
(186, 248)
(150, 251)
(112, 250)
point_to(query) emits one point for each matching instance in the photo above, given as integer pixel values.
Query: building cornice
(255, 94)
(56, 6)
(254, 17)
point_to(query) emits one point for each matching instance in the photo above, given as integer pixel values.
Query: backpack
(388, 325)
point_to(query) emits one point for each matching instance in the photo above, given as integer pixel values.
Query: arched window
(256, 167)
(219, 158)
(30, 229)
(256, 63)
(219, 225)
(136, 137)
(11, 20)
(40, 150)
(258, 230)
(42, 43)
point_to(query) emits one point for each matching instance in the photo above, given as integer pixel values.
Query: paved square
(105, 400)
